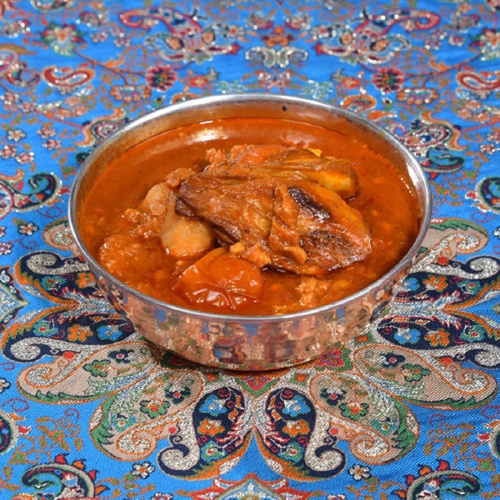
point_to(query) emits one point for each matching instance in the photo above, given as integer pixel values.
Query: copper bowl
(249, 342)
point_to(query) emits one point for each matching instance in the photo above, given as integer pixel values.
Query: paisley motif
(440, 382)
(460, 289)
(100, 128)
(81, 315)
(460, 482)
(201, 423)
(374, 424)
(19, 195)
(220, 432)
(434, 141)
(441, 160)
(58, 235)
(22, 76)
(478, 84)
(66, 80)
(437, 483)
(291, 441)
(445, 305)
(60, 480)
(430, 133)
(133, 422)
(454, 237)
(488, 193)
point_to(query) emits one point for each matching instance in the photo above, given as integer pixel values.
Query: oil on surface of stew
(250, 216)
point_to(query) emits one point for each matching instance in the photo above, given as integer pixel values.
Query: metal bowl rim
(180, 107)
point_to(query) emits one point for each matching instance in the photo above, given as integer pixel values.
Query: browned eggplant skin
(287, 203)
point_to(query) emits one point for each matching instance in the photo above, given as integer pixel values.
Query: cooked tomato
(221, 280)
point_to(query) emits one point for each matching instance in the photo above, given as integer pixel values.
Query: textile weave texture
(408, 410)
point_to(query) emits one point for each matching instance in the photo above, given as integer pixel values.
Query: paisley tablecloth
(410, 409)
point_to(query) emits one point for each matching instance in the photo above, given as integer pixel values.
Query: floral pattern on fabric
(89, 409)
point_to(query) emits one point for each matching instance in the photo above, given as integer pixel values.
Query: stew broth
(385, 200)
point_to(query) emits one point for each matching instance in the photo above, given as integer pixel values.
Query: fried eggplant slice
(283, 205)
(277, 161)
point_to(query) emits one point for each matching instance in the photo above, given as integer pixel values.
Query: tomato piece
(221, 280)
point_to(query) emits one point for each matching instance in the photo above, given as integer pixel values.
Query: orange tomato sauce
(385, 200)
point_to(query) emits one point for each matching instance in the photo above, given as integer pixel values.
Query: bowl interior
(249, 106)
